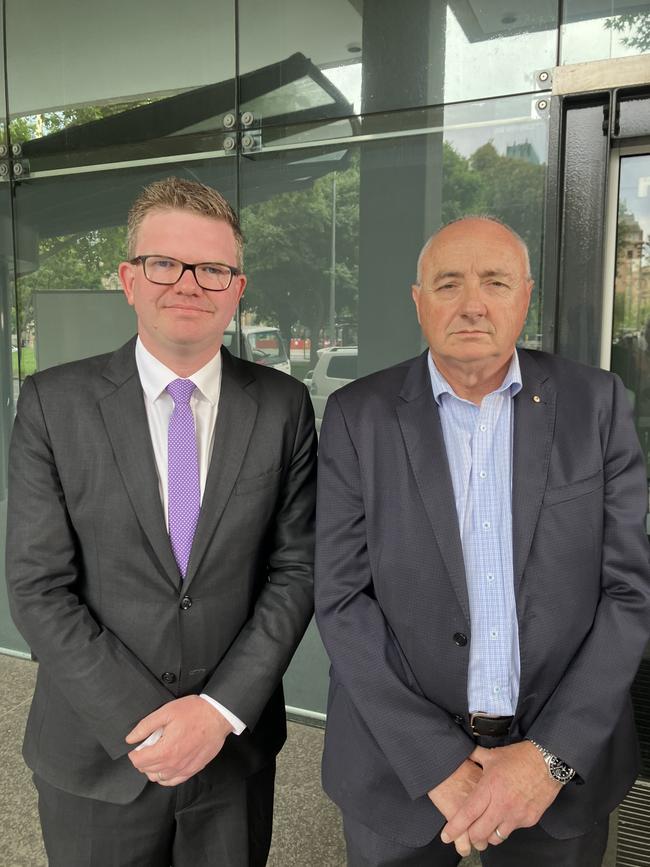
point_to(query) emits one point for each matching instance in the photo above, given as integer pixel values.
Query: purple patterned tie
(184, 485)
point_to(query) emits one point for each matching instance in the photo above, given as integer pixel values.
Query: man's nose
(187, 283)
(471, 301)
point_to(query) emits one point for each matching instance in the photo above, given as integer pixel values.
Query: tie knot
(181, 390)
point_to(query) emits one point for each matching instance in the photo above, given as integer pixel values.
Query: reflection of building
(524, 151)
(632, 288)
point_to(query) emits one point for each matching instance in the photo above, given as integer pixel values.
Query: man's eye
(162, 263)
(213, 269)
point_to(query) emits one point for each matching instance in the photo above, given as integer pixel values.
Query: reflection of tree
(288, 237)
(78, 262)
(288, 248)
(33, 126)
(636, 25)
(288, 254)
(513, 190)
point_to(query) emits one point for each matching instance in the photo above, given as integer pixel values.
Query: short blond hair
(179, 194)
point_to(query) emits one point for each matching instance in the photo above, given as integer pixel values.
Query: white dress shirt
(155, 378)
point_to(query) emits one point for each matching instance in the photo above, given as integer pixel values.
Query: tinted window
(267, 347)
(343, 367)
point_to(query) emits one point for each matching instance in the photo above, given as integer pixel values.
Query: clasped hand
(504, 787)
(193, 733)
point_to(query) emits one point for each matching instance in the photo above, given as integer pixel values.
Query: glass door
(630, 348)
(630, 353)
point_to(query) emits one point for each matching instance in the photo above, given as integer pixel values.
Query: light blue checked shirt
(479, 450)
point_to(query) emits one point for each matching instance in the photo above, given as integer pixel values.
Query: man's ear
(240, 291)
(415, 295)
(126, 273)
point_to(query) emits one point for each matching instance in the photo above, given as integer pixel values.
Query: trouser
(191, 825)
(531, 847)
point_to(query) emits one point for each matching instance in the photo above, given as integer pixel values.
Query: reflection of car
(261, 344)
(336, 366)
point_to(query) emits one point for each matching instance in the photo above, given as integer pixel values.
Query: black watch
(557, 769)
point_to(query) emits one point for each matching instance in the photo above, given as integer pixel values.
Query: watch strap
(558, 770)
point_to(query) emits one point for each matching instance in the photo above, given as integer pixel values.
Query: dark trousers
(191, 825)
(531, 847)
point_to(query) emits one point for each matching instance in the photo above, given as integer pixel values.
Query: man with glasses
(160, 562)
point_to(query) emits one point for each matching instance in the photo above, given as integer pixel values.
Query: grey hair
(487, 217)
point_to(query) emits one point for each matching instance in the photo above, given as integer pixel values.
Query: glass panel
(10, 640)
(631, 329)
(601, 29)
(94, 83)
(332, 237)
(10, 352)
(70, 237)
(382, 56)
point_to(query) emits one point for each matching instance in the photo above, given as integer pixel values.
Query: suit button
(186, 603)
(459, 718)
(460, 639)
(169, 677)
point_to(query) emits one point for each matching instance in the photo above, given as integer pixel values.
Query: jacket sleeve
(251, 670)
(420, 741)
(101, 679)
(581, 714)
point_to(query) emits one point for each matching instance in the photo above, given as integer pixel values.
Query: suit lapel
(422, 431)
(235, 420)
(534, 424)
(125, 418)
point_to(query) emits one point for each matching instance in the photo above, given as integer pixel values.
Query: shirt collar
(440, 386)
(155, 376)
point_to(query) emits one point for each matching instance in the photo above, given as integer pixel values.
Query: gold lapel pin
(537, 398)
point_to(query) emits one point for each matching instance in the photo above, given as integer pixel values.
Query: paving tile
(20, 837)
(17, 678)
(307, 826)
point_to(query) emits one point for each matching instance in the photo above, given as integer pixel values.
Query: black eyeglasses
(213, 276)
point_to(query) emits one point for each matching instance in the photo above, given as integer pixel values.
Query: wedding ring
(499, 834)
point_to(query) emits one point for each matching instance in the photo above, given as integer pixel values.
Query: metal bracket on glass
(543, 79)
(251, 142)
(230, 144)
(541, 107)
(247, 119)
(20, 169)
(12, 164)
(229, 120)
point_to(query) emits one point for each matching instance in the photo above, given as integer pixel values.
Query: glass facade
(344, 133)
(631, 324)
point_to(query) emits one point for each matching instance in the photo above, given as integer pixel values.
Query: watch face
(560, 771)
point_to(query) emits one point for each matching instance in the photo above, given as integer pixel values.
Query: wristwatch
(558, 770)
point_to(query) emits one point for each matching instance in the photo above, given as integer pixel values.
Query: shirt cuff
(234, 721)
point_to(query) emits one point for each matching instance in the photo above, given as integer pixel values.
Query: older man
(482, 582)
(159, 562)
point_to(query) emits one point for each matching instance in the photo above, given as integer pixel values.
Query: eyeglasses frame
(187, 266)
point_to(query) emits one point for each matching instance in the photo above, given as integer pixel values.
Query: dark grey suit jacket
(94, 586)
(391, 592)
